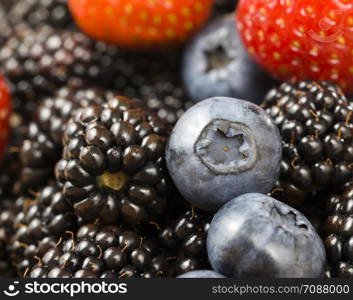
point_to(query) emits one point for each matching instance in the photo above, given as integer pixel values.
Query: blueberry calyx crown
(217, 59)
(226, 147)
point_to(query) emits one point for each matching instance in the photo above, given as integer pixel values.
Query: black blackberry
(43, 146)
(186, 237)
(138, 74)
(25, 95)
(338, 233)
(106, 252)
(113, 163)
(166, 96)
(38, 225)
(315, 121)
(157, 83)
(38, 62)
(37, 12)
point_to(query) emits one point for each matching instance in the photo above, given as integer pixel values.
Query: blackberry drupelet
(113, 163)
(36, 12)
(315, 122)
(186, 238)
(103, 251)
(43, 146)
(338, 233)
(38, 225)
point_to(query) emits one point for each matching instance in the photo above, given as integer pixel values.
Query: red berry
(5, 111)
(141, 23)
(300, 39)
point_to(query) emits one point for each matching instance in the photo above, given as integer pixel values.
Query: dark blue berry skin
(222, 148)
(255, 235)
(201, 274)
(216, 64)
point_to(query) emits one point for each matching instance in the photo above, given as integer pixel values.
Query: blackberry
(140, 75)
(43, 146)
(314, 120)
(25, 95)
(338, 233)
(36, 12)
(159, 86)
(166, 96)
(186, 238)
(113, 163)
(103, 251)
(38, 62)
(38, 225)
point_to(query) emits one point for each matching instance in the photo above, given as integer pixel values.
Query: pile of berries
(125, 150)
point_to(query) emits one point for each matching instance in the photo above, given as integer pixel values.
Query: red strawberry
(5, 111)
(140, 23)
(300, 39)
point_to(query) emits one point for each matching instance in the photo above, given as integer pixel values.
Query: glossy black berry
(338, 233)
(113, 163)
(186, 236)
(315, 121)
(37, 12)
(38, 226)
(107, 252)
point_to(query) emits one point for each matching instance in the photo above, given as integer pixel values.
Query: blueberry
(255, 235)
(222, 148)
(201, 274)
(216, 64)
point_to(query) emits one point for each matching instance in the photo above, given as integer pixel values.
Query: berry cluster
(317, 138)
(125, 154)
(106, 252)
(338, 229)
